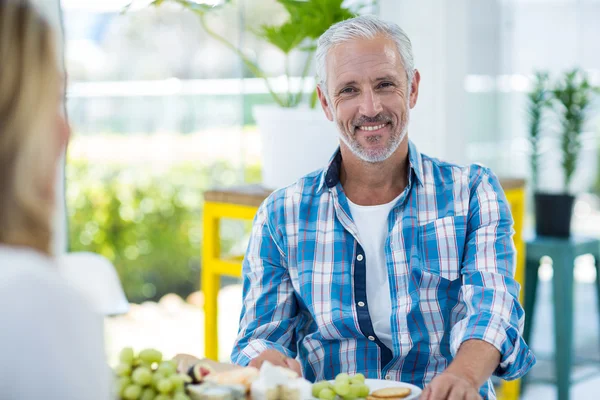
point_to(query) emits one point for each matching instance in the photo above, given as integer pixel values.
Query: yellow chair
(242, 203)
(236, 203)
(515, 194)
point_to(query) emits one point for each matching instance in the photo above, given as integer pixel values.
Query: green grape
(126, 356)
(150, 356)
(123, 370)
(167, 368)
(121, 384)
(132, 392)
(363, 390)
(180, 389)
(142, 376)
(162, 397)
(355, 381)
(148, 394)
(157, 377)
(139, 363)
(164, 386)
(318, 386)
(342, 388)
(342, 377)
(177, 380)
(354, 392)
(326, 394)
(358, 378)
(181, 396)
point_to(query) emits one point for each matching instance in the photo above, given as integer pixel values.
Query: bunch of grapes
(148, 377)
(345, 386)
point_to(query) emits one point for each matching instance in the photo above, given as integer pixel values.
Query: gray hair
(363, 27)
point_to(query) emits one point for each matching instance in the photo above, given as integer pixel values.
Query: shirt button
(388, 377)
(360, 257)
(371, 338)
(361, 303)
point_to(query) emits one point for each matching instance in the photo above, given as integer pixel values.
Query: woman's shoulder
(28, 278)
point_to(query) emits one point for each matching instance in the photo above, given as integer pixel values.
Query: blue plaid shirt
(450, 260)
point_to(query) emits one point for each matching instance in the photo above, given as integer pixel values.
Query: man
(386, 262)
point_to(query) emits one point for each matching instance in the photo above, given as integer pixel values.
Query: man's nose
(370, 105)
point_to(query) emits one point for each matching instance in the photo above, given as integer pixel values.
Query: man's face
(369, 98)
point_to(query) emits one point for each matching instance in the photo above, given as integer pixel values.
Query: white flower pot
(295, 142)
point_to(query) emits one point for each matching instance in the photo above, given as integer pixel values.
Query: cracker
(391, 393)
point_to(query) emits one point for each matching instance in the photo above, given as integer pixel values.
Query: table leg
(211, 250)
(597, 265)
(531, 284)
(563, 320)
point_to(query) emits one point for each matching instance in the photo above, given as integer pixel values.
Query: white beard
(379, 156)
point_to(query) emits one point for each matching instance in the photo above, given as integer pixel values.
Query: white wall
(553, 35)
(438, 32)
(491, 40)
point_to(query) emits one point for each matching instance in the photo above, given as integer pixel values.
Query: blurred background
(162, 110)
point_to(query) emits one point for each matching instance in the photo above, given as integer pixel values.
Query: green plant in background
(148, 224)
(573, 96)
(307, 21)
(538, 100)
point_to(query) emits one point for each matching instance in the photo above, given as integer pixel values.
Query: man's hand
(184, 362)
(470, 369)
(276, 358)
(449, 386)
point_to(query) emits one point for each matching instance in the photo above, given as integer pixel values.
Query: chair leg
(563, 320)
(530, 287)
(531, 284)
(597, 265)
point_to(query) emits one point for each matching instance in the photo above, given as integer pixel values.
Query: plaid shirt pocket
(443, 242)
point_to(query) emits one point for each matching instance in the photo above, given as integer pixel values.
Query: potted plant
(538, 100)
(571, 98)
(296, 137)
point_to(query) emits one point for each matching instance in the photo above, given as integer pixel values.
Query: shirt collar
(330, 176)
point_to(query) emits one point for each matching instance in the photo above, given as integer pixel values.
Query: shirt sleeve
(490, 292)
(269, 312)
(52, 343)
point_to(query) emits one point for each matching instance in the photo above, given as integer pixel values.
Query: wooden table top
(253, 195)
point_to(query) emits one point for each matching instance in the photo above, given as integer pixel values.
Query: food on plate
(199, 371)
(345, 386)
(391, 393)
(277, 383)
(148, 377)
(241, 376)
(208, 391)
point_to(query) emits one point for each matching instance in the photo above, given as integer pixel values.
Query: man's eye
(347, 90)
(386, 85)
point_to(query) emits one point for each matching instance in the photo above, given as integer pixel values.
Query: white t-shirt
(372, 224)
(51, 342)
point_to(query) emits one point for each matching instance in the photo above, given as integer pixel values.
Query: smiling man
(386, 262)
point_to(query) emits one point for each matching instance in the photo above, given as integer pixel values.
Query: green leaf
(573, 95)
(314, 17)
(285, 37)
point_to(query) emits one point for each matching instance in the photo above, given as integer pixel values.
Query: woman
(51, 342)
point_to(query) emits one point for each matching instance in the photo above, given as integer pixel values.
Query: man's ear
(324, 103)
(414, 89)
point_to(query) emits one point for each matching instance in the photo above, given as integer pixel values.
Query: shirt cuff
(516, 357)
(254, 348)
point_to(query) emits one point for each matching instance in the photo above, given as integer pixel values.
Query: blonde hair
(29, 99)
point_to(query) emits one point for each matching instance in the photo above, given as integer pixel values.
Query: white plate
(375, 384)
